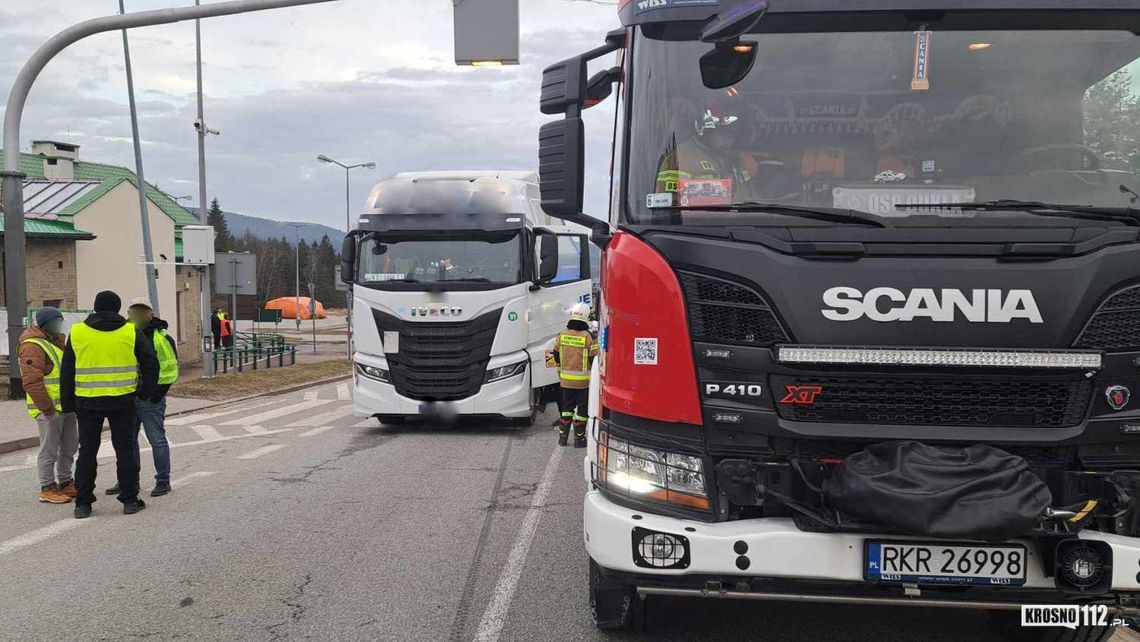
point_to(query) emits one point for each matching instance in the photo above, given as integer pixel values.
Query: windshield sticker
(882, 200)
(660, 199)
(921, 80)
(696, 192)
(377, 277)
(642, 6)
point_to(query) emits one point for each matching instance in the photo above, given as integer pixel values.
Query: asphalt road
(291, 519)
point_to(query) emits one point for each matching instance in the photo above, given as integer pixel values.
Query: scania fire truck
(870, 309)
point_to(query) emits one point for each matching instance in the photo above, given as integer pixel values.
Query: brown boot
(52, 495)
(68, 488)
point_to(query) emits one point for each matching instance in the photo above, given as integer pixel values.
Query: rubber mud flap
(974, 492)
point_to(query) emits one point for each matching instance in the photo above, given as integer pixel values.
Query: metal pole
(347, 292)
(12, 179)
(297, 291)
(203, 215)
(233, 306)
(148, 250)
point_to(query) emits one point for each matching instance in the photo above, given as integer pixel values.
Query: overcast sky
(357, 80)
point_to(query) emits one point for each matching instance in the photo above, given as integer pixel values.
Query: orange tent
(288, 307)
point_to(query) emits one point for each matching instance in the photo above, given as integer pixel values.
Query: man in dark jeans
(106, 364)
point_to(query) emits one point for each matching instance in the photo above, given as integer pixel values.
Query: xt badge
(804, 395)
(1117, 396)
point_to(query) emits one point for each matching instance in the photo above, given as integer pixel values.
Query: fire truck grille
(439, 361)
(724, 312)
(1116, 325)
(917, 401)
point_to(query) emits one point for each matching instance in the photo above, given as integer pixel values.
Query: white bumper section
(777, 549)
(510, 397)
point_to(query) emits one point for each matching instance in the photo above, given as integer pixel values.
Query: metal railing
(253, 351)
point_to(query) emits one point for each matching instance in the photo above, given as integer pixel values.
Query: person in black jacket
(116, 409)
(216, 327)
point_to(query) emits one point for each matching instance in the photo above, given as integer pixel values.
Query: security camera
(199, 125)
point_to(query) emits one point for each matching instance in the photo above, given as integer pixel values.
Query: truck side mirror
(348, 259)
(600, 86)
(562, 167)
(547, 258)
(563, 86)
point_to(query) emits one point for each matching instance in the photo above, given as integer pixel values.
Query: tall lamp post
(347, 228)
(297, 292)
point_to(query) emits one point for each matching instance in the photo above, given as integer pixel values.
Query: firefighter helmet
(580, 312)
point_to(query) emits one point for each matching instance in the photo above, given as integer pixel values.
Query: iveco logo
(889, 304)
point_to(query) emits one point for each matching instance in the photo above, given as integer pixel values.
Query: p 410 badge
(733, 390)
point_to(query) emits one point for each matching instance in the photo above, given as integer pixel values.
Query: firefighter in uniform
(107, 364)
(574, 352)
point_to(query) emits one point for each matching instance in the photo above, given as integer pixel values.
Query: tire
(1008, 623)
(615, 607)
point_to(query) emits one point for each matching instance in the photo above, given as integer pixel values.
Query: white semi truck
(460, 284)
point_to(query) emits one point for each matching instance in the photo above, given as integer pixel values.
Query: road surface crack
(296, 608)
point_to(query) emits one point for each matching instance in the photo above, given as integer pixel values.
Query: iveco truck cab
(870, 307)
(460, 284)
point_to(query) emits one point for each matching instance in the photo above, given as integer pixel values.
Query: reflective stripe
(106, 384)
(107, 370)
(581, 418)
(574, 375)
(567, 414)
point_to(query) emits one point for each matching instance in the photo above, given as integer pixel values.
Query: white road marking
(277, 412)
(322, 419)
(342, 392)
(41, 534)
(197, 418)
(315, 431)
(261, 452)
(496, 614)
(255, 430)
(186, 479)
(311, 395)
(107, 454)
(207, 433)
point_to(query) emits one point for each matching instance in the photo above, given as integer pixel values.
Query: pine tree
(223, 240)
(1112, 116)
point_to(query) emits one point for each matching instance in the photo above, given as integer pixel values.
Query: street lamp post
(297, 291)
(347, 228)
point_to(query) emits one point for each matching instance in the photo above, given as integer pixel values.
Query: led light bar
(933, 357)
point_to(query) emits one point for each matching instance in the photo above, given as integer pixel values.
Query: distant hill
(265, 228)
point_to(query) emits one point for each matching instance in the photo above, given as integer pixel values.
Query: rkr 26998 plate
(944, 563)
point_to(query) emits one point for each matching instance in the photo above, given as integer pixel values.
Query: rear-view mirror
(547, 258)
(735, 22)
(348, 259)
(563, 85)
(561, 167)
(600, 86)
(727, 63)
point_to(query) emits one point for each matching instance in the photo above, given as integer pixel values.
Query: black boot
(132, 506)
(562, 438)
(114, 490)
(160, 489)
(579, 436)
(82, 511)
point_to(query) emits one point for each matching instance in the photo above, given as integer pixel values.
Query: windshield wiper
(830, 214)
(467, 279)
(1127, 215)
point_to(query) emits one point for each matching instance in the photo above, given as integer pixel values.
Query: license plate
(937, 563)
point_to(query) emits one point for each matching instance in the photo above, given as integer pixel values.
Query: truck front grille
(928, 401)
(439, 361)
(1115, 326)
(721, 311)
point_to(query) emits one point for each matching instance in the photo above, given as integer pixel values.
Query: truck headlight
(372, 372)
(649, 473)
(505, 372)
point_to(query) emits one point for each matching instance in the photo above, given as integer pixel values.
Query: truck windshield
(434, 257)
(852, 121)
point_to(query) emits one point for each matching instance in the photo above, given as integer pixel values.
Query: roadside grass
(250, 382)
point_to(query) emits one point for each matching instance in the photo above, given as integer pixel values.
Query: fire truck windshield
(870, 121)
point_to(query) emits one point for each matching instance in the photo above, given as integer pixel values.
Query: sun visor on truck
(975, 492)
(433, 204)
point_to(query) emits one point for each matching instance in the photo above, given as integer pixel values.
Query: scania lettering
(980, 306)
(870, 303)
(459, 285)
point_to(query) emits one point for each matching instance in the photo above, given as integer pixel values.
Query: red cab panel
(649, 368)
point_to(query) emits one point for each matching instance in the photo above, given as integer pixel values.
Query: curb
(31, 442)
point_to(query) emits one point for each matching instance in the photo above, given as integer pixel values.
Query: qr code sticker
(645, 352)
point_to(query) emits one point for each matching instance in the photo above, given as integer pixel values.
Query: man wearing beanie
(41, 352)
(107, 364)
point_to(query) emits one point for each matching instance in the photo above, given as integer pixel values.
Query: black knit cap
(108, 301)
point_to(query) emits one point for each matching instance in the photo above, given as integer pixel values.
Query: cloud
(358, 79)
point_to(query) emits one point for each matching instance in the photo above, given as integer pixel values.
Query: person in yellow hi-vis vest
(574, 352)
(107, 364)
(151, 412)
(41, 352)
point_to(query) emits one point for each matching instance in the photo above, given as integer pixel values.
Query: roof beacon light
(930, 357)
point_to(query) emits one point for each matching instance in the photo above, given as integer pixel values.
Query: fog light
(652, 549)
(1083, 566)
